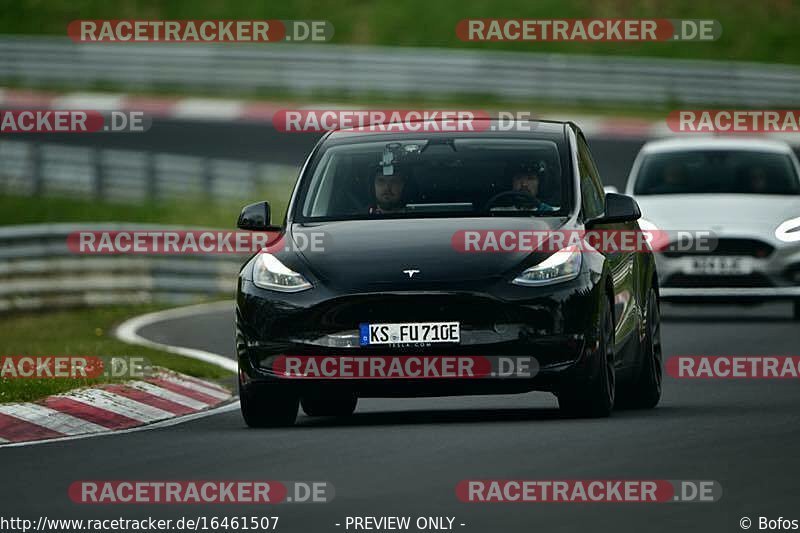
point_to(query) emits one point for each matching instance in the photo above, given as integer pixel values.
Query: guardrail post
(99, 174)
(208, 178)
(152, 177)
(36, 169)
(254, 177)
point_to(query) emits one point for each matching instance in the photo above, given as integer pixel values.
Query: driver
(674, 178)
(527, 181)
(758, 180)
(388, 191)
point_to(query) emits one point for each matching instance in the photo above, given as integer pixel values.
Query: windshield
(436, 177)
(717, 172)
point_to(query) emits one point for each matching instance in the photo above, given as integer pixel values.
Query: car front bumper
(555, 326)
(774, 277)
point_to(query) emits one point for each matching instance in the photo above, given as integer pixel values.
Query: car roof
(680, 144)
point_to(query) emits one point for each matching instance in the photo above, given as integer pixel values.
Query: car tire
(594, 398)
(264, 406)
(645, 392)
(329, 404)
(796, 313)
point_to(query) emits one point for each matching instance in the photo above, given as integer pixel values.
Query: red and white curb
(109, 408)
(231, 110)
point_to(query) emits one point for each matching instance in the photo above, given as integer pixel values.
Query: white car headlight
(656, 238)
(789, 231)
(269, 273)
(649, 229)
(564, 265)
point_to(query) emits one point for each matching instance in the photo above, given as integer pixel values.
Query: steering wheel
(522, 196)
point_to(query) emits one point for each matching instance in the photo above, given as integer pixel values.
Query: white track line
(81, 100)
(128, 332)
(208, 108)
(50, 419)
(168, 395)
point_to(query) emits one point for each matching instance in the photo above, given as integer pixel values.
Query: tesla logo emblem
(411, 272)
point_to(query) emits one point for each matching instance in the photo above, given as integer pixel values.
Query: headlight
(269, 273)
(789, 231)
(649, 228)
(563, 265)
(656, 238)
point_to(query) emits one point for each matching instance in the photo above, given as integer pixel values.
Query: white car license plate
(409, 332)
(719, 265)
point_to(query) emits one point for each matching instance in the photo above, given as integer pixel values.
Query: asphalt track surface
(404, 457)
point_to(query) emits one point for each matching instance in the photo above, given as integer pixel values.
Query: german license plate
(409, 332)
(720, 265)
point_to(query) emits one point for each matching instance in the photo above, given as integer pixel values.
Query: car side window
(593, 196)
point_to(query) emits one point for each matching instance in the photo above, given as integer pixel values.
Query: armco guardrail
(37, 270)
(30, 168)
(353, 70)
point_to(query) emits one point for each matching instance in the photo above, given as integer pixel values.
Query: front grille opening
(713, 281)
(745, 247)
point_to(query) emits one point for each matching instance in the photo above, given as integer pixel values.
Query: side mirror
(256, 217)
(619, 208)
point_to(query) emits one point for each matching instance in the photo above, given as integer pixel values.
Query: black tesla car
(391, 280)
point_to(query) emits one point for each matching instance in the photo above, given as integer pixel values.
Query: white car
(745, 195)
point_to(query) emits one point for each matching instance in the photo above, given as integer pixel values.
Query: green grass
(15, 209)
(86, 332)
(752, 31)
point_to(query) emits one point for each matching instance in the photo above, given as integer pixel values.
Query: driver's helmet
(538, 167)
(528, 167)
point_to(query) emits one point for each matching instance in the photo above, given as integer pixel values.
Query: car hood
(721, 213)
(374, 253)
